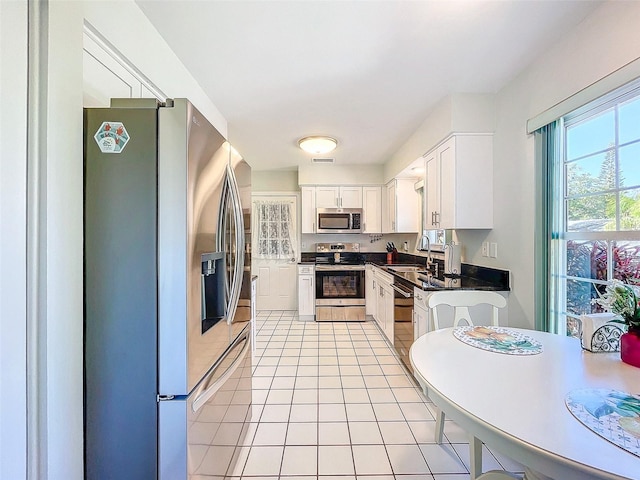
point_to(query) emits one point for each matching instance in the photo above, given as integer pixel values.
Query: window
(596, 212)
(275, 229)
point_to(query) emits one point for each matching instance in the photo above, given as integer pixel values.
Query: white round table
(516, 403)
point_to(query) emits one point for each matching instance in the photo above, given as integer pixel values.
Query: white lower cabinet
(421, 314)
(388, 314)
(306, 292)
(381, 312)
(383, 294)
(370, 291)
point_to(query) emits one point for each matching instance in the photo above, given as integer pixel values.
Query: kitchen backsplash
(368, 243)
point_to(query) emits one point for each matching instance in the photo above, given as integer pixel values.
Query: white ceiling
(364, 72)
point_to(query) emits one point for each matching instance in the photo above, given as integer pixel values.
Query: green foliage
(592, 197)
(622, 299)
(589, 260)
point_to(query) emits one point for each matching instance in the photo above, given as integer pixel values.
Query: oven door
(339, 284)
(403, 321)
(340, 293)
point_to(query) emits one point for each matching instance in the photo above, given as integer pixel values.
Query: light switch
(493, 250)
(485, 249)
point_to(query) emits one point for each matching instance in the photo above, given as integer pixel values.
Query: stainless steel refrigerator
(167, 324)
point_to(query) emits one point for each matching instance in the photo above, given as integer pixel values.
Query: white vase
(599, 333)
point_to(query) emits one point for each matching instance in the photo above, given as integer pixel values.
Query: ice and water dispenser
(213, 291)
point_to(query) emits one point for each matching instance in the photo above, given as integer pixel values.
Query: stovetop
(345, 259)
(339, 254)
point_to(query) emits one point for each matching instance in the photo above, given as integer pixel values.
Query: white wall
(125, 27)
(13, 163)
(605, 41)
(459, 112)
(340, 174)
(274, 181)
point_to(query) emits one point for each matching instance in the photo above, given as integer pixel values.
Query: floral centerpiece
(622, 299)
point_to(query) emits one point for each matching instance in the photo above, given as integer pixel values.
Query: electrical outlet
(485, 249)
(493, 250)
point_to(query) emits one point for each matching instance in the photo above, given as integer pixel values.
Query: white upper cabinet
(369, 198)
(308, 210)
(104, 77)
(327, 196)
(350, 197)
(334, 196)
(459, 183)
(372, 209)
(402, 212)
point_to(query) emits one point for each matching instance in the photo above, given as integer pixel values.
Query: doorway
(274, 250)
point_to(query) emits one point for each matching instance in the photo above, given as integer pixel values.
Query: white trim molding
(607, 84)
(36, 294)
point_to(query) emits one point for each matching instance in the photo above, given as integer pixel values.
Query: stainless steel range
(340, 282)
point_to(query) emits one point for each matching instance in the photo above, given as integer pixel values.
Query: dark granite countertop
(474, 277)
(444, 282)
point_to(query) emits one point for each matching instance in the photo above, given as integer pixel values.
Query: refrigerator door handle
(209, 390)
(239, 247)
(224, 195)
(228, 200)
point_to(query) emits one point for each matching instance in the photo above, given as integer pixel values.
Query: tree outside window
(600, 240)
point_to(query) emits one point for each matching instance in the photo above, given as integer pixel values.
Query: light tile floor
(332, 402)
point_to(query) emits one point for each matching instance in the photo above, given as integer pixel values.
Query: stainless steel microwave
(339, 220)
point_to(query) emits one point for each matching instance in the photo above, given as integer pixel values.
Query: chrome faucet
(429, 258)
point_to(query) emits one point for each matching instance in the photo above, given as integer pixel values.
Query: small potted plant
(622, 299)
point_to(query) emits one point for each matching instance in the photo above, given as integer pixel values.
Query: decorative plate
(498, 339)
(612, 414)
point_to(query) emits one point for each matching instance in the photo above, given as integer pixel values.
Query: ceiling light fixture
(318, 144)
